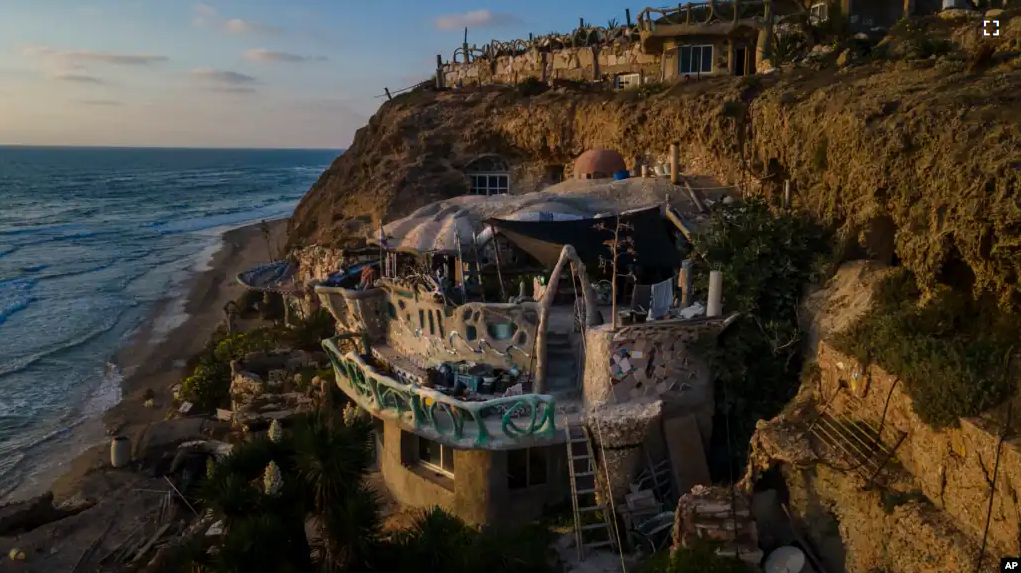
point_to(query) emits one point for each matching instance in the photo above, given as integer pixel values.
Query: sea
(92, 242)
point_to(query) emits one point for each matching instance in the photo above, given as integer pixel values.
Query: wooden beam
(568, 254)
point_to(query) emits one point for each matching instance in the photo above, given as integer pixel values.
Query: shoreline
(156, 361)
(154, 358)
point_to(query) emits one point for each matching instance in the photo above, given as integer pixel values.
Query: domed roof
(598, 164)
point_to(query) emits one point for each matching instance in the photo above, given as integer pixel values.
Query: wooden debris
(181, 495)
(87, 554)
(152, 541)
(119, 548)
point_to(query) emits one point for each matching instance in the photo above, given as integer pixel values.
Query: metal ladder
(588, 533)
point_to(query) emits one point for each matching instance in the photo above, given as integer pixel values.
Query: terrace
(391, 387)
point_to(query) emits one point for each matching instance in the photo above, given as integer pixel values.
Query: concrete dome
(598, 164)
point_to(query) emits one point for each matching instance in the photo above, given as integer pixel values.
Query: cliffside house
(867, 15)
(480, 402)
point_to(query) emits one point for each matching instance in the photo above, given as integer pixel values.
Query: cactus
(272, 479)
(276, 432)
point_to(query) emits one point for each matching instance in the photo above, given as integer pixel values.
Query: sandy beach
(153, 364)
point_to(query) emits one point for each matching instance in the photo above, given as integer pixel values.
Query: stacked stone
(708, 515)
(618, 432)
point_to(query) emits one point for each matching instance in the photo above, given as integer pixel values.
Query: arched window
(488, 175)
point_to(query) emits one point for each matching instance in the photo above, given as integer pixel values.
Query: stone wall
(953, 467)
(654, 360)
(316, 262)
(581, 63)
(708, 515)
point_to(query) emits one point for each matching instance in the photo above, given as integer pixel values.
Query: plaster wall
(582, 63)
(417, 326)
(355, 310)
(953, 466)
(478, 493)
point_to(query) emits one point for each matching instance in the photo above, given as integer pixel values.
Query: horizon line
(170, 147)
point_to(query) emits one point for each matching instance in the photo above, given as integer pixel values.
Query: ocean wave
(34, 268)
(15, 308)
(19, 284)
(27, 361)
(7, 250)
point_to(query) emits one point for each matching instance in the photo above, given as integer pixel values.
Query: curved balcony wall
(496, 424)
(416, 325)
(356, 310)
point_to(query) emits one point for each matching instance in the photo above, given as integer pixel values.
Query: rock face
(886, 149)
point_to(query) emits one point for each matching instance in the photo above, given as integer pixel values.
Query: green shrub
(950, 351)
(309, 333)
(208, 386)
(767, 259)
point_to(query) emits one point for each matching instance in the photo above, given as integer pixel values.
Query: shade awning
(649, 235)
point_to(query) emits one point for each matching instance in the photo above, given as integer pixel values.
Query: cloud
(204, 15)
(224, 77)
(225, 81)
(238, 26)
(89, 57)
(78, 78)
(271, 56)
(476, 18)
(99, 102)
(233, 89)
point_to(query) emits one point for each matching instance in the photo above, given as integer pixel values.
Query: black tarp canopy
(653, 242)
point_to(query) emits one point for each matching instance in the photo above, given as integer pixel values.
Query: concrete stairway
(563, 366)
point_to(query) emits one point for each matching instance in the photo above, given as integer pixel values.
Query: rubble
(720, 515)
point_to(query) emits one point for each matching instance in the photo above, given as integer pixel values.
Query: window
(488, 175)
(489, 183)
(436, 457)
(819, 13)
(554, 174)
(695, 60)
(526, 468)
(624, 81)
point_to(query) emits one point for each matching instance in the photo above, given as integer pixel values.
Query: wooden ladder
(592, 521)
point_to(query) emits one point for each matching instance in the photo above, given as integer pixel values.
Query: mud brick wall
(953, 467)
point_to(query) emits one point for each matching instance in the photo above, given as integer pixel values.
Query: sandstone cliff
(916, 159)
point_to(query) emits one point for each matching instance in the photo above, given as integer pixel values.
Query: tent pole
(460, 267)
(478, 264)
(499, 273)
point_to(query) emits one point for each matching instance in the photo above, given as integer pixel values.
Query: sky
(236, 73)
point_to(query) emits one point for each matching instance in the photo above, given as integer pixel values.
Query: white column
(715, 307)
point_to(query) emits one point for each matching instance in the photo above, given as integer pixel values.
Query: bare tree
(266, 234)
(618, 245)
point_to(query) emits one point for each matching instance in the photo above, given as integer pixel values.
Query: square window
(435, 456)
(694, 60)
(526, 468)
